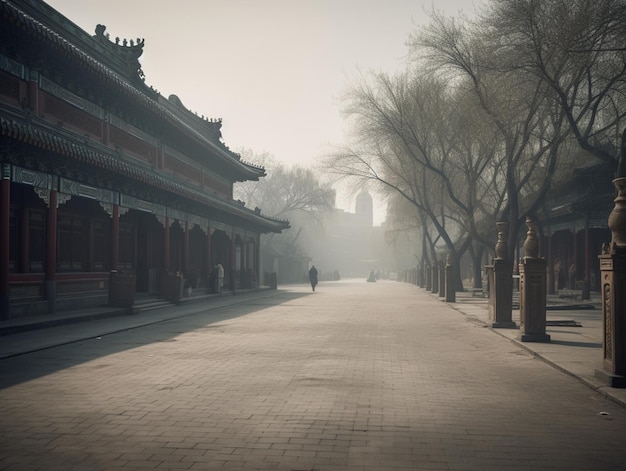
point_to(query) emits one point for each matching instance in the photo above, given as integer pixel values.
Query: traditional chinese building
(354, 245)
(575, 220)
(100, 174)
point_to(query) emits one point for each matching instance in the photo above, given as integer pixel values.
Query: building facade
(354, 246)
(100, 174)
(575, 220)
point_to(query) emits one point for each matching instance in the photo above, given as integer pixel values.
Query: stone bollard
(533, 290)
(450, 279)
(435, 280)
(613, 280)
(501, 284)
(429, 278)
(613, 276)
(442, 278)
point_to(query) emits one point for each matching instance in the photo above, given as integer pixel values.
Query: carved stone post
(442, 278)
(429, 277)
(613, 289)
(450, 279)
(501, 283)
(435, 280)
(533, 289)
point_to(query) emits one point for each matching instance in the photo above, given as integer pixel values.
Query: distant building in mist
(364, 211)
(353, 244)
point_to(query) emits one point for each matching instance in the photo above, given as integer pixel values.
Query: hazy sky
(273, 70)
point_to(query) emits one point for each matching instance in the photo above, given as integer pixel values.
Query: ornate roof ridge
(212, 125)
(128, 52)
(126, 87)
(250, 164)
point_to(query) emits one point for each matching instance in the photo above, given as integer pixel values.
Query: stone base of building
(504, 325)
(544, 338)
(614, 381)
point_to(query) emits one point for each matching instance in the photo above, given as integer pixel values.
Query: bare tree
(475, 132)
(529, 129)
(408, 142)
(293, 193)
(578, 49)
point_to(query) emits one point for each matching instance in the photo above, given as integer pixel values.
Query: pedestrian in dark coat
(313, 277)
(220, 277)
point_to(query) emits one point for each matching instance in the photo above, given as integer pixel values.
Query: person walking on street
(220, 277)
(313, 276)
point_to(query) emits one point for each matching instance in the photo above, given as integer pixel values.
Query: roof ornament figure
(128, 52)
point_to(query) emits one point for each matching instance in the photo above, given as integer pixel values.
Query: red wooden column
(5, 204)
(233, 253)
(243, 264)
(115, 237)
(209, 260)
(186, 248)
(257, 259)
(233, 250)
(51, 251)
(166, 244)
(25, 238)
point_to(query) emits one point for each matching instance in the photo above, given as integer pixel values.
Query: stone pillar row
(613, 289)
(534, 282)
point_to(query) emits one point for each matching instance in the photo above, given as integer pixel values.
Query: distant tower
(365, 209)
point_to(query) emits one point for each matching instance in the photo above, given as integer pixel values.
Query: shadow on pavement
(40, 362)
(576, 344)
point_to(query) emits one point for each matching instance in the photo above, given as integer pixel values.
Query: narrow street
(356, 376)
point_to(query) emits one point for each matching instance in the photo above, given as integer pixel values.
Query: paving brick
(356, 377)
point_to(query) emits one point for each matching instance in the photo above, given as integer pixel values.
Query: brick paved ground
(371, 376)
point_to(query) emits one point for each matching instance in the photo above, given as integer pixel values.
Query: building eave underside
(101, 158)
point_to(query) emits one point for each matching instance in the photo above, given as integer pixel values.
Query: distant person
(572, 276)
(220, 277)
(213, 280)
(313, 277)
(372, 277)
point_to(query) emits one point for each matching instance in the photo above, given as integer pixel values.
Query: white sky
(273, 70)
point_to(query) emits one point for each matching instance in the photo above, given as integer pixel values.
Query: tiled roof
(12, 13)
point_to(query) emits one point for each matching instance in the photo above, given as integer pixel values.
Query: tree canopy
(488, 114)
(288, 192)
